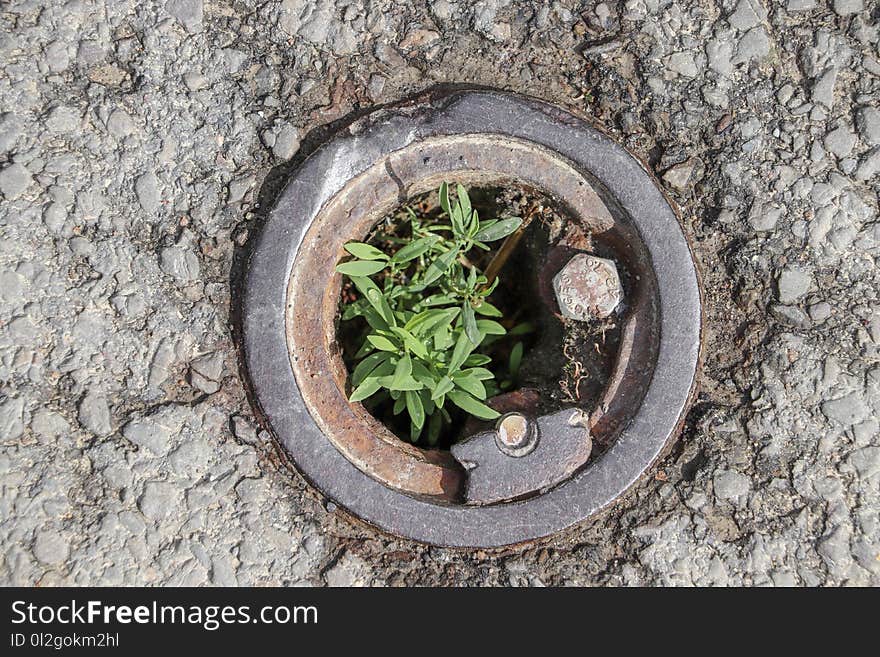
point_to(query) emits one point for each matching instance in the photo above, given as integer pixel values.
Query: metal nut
(516, 435)
(587, 288)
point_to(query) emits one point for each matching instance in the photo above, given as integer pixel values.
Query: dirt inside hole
(565, 363)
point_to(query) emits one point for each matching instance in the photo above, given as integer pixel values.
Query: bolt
(587, 288)
(516, 435)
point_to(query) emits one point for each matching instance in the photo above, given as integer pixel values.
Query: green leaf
(412, 343)
(463, 349)
(464, 203)
(427, 404)
(439, 300)
(415, 409)
(380, 303)
(490, 327)
(467, 403)
(414, 249)
(434, 426)
(438, 267)
(365, 349)
(475, 360)
(474, 223)
(375, 320)
(364, 390)
(364, 285)
(354, 309)
(425, 322)
(470, 383)
(399, 405)
(406, 383)
(515, 359)
(368, 365)
(457, 222)
(396, 292)
(443, 338)
(423, 375)
(382, 343)
(374, 297)
(444, 197)
(522, 329)
(470, 323)
(430, 322)
(360, 267)
(443, 386)
(472, 279)
(480, 372)
(401, 372)
(498, 229)
(488, 310)
(365, 251)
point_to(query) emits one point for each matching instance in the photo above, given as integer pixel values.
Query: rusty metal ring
(623, 183)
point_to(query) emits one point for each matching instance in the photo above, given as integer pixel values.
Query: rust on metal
(313, 311)
(476, 495)
(550, 449)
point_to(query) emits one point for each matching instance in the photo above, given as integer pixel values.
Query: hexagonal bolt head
(516, 435)
(587, 288)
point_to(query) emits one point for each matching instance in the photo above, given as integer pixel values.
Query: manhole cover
(540, 469)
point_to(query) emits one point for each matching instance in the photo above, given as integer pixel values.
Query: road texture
(140, 142)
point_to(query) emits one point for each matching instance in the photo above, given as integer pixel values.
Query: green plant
(428, 317)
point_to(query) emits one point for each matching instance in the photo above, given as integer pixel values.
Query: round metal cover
(459, 134)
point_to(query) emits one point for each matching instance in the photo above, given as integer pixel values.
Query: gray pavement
(139, 142)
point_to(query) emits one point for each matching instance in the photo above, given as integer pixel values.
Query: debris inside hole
(564, 362)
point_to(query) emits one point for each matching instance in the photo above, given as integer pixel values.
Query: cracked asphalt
(141, 141)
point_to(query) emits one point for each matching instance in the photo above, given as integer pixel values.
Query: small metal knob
(516, 435)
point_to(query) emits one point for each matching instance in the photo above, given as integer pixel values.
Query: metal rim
(365, 199)
(620, 175)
